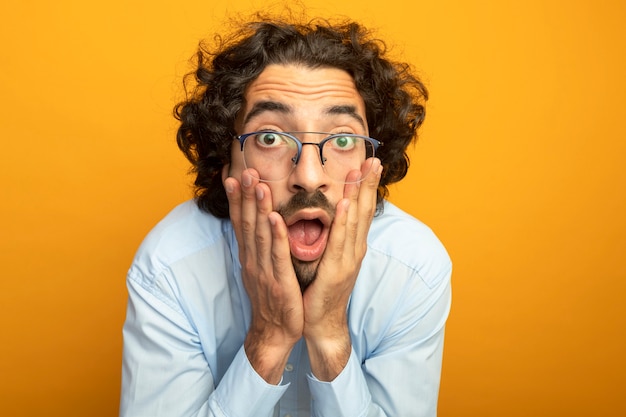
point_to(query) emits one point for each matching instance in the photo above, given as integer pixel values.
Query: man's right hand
(268, 276)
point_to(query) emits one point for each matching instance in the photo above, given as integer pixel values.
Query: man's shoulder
(183, 232)
(400, 237)
(396, 229)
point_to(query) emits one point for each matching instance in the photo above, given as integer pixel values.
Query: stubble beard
(306, 272)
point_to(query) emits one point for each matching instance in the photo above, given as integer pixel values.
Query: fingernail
(246, 180)
(228, 187)
(259, 193)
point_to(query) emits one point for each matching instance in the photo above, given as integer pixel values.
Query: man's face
(289, 98)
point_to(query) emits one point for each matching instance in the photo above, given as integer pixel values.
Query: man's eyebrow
(265, 106)
(349, 110)
(275, 106)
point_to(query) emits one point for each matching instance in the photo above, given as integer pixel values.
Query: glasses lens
(344, 153)
(273, 155)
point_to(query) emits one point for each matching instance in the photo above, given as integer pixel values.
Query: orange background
(521, 170)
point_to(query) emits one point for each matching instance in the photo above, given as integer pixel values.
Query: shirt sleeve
(399, 376)
(404, 372)
(346, 395)
(165, 372)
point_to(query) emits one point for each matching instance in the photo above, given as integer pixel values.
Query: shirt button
(288, 368)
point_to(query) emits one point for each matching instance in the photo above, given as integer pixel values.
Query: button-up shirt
(188, 314)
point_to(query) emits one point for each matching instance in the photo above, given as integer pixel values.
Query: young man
(289, 286)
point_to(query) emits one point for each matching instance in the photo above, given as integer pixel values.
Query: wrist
(267, 359)
(328, 355)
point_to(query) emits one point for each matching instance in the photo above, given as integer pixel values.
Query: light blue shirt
(188, 314)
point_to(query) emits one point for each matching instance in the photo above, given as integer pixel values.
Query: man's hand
(281, 314)
(268, 276)
(326, 299)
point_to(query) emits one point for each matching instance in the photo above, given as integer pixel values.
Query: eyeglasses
(274, 154)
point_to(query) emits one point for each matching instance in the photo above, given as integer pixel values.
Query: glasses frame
(330, 136)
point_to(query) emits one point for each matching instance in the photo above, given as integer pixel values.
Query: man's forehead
(283, 88)
(285, 80)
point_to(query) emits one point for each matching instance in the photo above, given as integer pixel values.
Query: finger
(338, 232)
(367, 200)
(370, 182)
(233, 193)
(248, 214)
(281, 255)
(351, 192)
(263, 229)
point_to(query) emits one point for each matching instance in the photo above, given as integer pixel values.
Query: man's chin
(306, 271)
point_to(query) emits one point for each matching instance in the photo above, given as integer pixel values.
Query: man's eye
(343, 142)
(269, 139)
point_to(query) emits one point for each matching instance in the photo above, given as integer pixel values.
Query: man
(289, 286)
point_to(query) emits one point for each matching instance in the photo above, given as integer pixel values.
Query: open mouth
(308, 234)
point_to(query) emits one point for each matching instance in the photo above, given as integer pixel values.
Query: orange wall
(521, 171)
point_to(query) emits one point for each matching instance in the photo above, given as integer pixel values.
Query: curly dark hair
(393, 96)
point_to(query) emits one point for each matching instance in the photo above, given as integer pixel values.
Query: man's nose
(309, 174)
